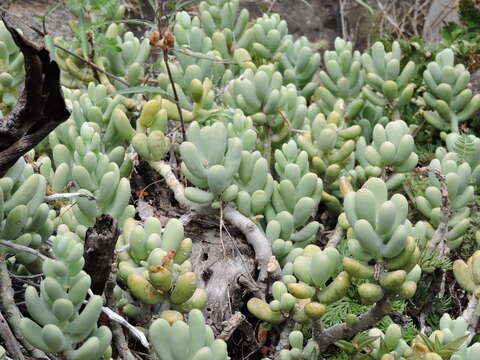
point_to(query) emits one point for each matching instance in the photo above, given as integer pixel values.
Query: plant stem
(10, 341)
(174, 89)
(11, 310)
(343, 331)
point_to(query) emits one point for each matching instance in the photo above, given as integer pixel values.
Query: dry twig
(438, 239)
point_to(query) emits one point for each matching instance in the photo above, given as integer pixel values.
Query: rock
(317, 20)
(475, 81)
(440, 13)
(27, 10)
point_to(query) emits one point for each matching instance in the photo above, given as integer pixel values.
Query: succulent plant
(469, 353)
(12, 71)
(125, 59)
(266, 39)
(95, 107)
(298, 65)
(343, 78)
(330, 144)
(302, 295)
(129, 61)
(298, 351)
(59, 324)
(460, 194)
(148, 137)
(388, 83)
(381, 232)
(210, 165)
(390, 342)
(393, 147)
(155, 266)
(78, 156)
(25, 218)
(468, 273)
(258, 94)
(190, 33)
(452, 102)
(295, 199)
(302, 156)
(467, 148)
(223, 15)
(186, 341)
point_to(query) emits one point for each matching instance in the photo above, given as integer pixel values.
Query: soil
(318, 20)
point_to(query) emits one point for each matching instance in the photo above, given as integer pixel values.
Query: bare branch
(11, 310)
(60, 196)
(343, 331)
(230, 325)
(335, 237)
(173, 184)
(254, 236)
(10, 341)
(23, 248)
(112, 315)
(472, 312)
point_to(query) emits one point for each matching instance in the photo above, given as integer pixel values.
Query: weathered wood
(11, 343)
(40, 107)
(100, 243)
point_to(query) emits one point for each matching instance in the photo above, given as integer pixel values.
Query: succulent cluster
(468, 274)
(459, 193)
(448, 94)
(450, 341)
(388, 84)
(25, 218)
(61, 324)
(304, 300)
(186, 341)
(317, 164)
(155, 266)
(343, 78)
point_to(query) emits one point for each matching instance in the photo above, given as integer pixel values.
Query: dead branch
(12, 313)
(10, 342)
(23, 248)
(119, 341)
(173, 184)
(472, 312)
(230, 325)
(343, 331)
(100, 243)
(40, 107)
(60, 196)
(254, 236)
(335, 237)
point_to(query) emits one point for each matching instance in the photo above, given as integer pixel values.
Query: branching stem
(343, 331)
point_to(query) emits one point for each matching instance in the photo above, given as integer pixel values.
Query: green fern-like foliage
(464, 146)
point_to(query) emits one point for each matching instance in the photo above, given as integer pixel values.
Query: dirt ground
(316, 19)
